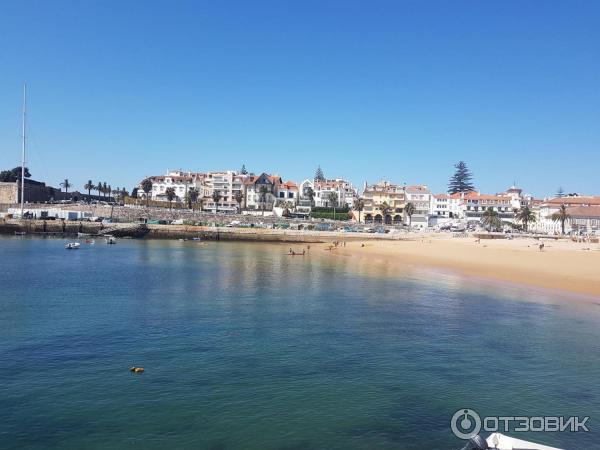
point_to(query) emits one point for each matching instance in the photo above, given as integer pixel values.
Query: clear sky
(367, 89)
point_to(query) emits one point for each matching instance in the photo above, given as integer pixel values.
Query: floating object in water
(111, 240)
(136, 369)
(20, 233)
(72, 246)
(90, 241)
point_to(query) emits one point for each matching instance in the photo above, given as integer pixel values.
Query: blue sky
(367, 89)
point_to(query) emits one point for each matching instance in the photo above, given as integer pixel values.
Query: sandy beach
(562, 265)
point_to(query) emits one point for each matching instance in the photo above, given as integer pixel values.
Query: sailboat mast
(23, 151)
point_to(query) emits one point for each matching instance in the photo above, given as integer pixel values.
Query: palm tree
(359, 205)
(99, 188)
(170, 193)
(109, 192)
(384, 208)
(216, 196)
(561, 216)
(192, 196)
(146, 185)
(105, 189)
(88, 187)
(239, 198)
(409, 210)
(66, 185)
(310, 193)
(525, 215)
(262, 193)
(490, 219)
(333, 198)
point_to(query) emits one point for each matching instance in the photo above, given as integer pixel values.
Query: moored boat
(72, 245)
(498, 441)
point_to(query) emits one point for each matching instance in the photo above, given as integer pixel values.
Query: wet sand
(562, 265)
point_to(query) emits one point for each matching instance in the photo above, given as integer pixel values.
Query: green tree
(146, 186)
(66, 185)
(310, 193)
(409, 210)
(10, 176)
(216, 196)
(385, 209)
(526, 216)
(99, 189)
(170, 194)
(88, 187)
(262, 195)
(561, 216)
(461, 181)
(359, 206)
(490, 219)
(319, 174)
(332, 198)
(239, 198)
(192, 197)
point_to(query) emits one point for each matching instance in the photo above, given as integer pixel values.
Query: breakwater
(72, 228)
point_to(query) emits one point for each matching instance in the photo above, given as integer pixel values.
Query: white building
(420, 197)
(344, 190)
(229, 185)
(584, 212)
(261, 191)
(176, 179)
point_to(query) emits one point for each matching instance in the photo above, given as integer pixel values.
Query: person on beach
(541, 246)
(303, 252)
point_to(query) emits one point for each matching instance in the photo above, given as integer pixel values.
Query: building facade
(384, 203)
(343, 190)
(420, 197)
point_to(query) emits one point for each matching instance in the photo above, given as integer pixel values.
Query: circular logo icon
(466, 423)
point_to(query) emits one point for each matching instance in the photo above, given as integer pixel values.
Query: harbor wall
(71, 228)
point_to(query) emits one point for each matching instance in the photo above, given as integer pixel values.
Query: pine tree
(244, 171)
(319, 174)
(461, 181)
(560, 193)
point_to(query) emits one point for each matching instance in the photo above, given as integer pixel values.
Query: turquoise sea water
(247, 348)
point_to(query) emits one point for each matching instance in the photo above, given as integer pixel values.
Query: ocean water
(247, 348)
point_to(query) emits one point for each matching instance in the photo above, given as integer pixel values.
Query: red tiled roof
(584, 211)
(289, 185)
(588, 200)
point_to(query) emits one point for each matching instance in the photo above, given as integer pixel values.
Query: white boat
(20, 233)
(111, 240)
(72, 245)
(498, 441)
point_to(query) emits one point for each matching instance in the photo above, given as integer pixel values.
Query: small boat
(72, 245)
(111, 240)
(84, 234)
(20, 233)
(196, 239)
(502, 442)
(90, 241)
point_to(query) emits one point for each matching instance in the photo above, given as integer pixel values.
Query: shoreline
(562, 266)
